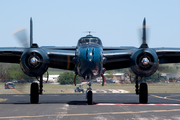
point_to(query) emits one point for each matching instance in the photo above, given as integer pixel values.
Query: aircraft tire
(143, 93)
(90, 97)
(34, 94)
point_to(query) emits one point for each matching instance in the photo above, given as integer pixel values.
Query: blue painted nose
(90, 59)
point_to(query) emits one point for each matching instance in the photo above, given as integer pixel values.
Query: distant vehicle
(110, 81)
(9, 85)
(35, 81)
(78, 89)
(15, 81)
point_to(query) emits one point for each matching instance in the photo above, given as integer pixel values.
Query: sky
(115, 22)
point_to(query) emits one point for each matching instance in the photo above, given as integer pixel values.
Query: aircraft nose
(90, 55)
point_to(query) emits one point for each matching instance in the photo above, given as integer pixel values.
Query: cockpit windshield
(84, 41)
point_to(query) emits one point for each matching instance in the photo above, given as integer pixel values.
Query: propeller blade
(31, 32)
(21, 36)
(151, 63)
(144, 42)
(144, 32)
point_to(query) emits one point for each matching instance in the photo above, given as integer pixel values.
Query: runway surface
(107, 106)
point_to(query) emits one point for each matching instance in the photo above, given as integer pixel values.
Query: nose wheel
(89, 95)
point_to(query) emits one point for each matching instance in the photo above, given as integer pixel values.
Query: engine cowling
(144, 62)
(34, 62)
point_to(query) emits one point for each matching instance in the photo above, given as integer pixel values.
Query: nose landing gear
(89, 94)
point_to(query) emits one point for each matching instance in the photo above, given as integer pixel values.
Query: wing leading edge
(117, 59)
(168, 55)
(62, 59)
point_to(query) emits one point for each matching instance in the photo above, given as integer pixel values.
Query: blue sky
(115, 22)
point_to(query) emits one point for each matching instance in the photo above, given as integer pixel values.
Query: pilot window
(89, 41)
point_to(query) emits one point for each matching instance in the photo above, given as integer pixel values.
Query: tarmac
(107, 106)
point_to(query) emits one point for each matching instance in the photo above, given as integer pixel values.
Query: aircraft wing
(61, 59)
(11, 54)
(105, 48)
(168, 55)
(117, 59)
(59, 47)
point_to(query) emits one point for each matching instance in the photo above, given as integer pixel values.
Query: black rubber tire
(34, 93)
(143, 93)
(90, 97)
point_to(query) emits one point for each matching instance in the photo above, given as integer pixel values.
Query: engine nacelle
(144, 62)
(34, 62)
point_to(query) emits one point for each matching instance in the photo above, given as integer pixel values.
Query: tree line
(9, 72)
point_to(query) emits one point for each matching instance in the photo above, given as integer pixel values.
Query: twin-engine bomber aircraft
(89, 59)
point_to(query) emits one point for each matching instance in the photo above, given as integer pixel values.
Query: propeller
(21, 35)
(144, 43)
(145, 60)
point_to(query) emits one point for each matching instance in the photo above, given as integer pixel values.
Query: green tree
(110, 75)
(68, 78)
(129, 73)
(12, 71)
(153, 78)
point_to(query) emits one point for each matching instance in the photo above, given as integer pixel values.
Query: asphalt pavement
(107, 106)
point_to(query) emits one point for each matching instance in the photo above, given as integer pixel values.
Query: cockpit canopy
(89, 40)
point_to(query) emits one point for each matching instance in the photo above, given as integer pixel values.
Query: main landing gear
(34, 92)
(142, 91)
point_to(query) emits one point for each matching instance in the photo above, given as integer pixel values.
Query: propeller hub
(34, 61)
(145, 61)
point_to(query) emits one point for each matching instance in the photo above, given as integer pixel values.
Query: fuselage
(89, 57)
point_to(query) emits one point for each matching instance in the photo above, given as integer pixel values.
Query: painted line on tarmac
(18, 92)
(166, 98)
(138, 104)
(2, 100)
(91, 114)
(122, 104)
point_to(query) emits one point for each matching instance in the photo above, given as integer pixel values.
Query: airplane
(89, 59)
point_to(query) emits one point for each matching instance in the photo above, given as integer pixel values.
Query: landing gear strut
(142, 91)
(89, 94)
(34, 92)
